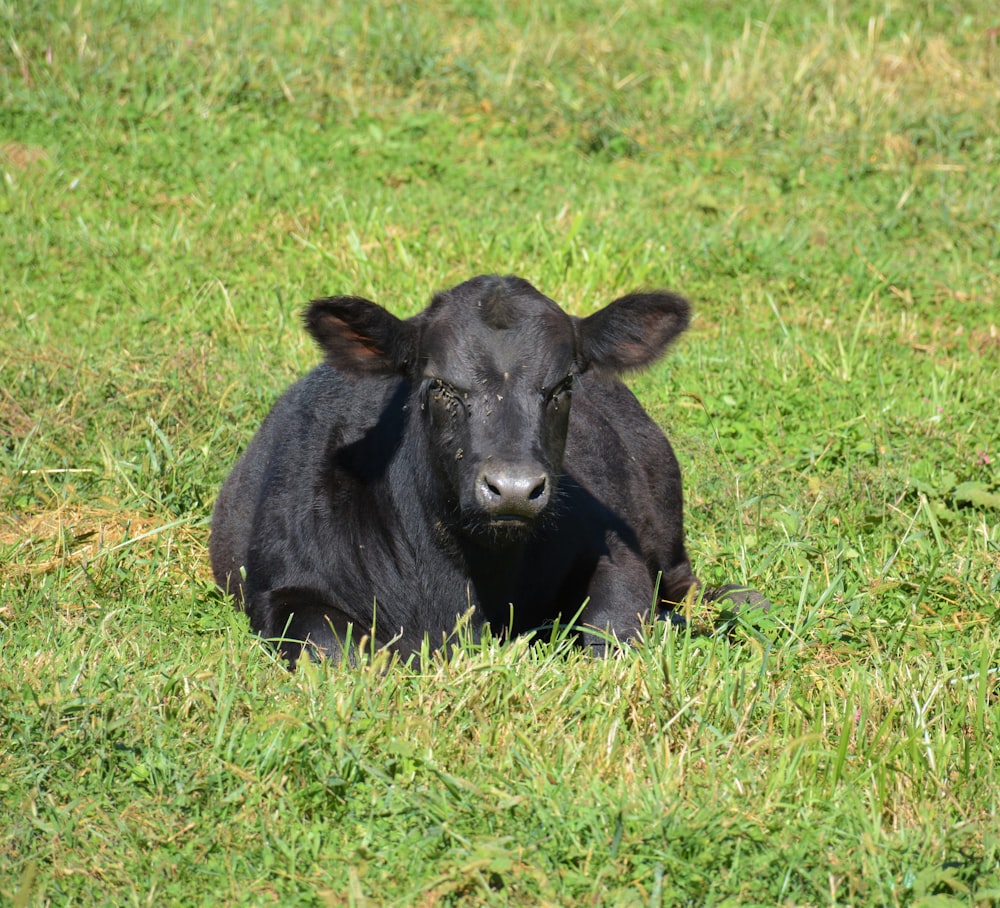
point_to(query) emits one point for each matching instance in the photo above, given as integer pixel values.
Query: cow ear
(633, 331)
(360, 336)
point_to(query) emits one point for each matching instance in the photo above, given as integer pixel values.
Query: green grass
(178, 179)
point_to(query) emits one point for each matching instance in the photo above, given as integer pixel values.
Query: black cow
(481, 455)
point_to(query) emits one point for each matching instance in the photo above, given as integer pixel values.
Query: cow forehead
(483, 338)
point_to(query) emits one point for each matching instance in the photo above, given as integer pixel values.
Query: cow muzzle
(509, 491)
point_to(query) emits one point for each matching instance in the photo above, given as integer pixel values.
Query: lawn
(179, 178)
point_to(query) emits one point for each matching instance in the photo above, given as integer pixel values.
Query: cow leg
(619, 600)
(297, 621)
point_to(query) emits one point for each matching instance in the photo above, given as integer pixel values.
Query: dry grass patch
(18, 156)
(77, 535)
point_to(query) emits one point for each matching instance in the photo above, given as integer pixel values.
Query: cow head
(492, 364)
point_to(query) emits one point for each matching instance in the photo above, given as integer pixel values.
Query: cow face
(497, 362)
(492, 365)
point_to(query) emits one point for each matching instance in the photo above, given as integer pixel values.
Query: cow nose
(510, 490)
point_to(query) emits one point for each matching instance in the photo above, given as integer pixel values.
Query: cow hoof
(731, 600)
(737, 598)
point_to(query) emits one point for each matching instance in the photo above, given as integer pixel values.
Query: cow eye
(560, 391)
(445, 395)
(441, 390)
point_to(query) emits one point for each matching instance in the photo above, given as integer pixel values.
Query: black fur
(482, 454)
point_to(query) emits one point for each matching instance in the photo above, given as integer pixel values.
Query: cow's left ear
(631, 332)
(360, 336)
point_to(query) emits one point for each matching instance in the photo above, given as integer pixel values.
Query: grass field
(822, 179)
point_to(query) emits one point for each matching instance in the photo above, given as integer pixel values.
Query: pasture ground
(822, 179)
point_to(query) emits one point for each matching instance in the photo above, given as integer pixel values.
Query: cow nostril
(538, 491)
(492, 489)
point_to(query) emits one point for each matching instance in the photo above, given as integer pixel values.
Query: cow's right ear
(633, 331)
(360, 336)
